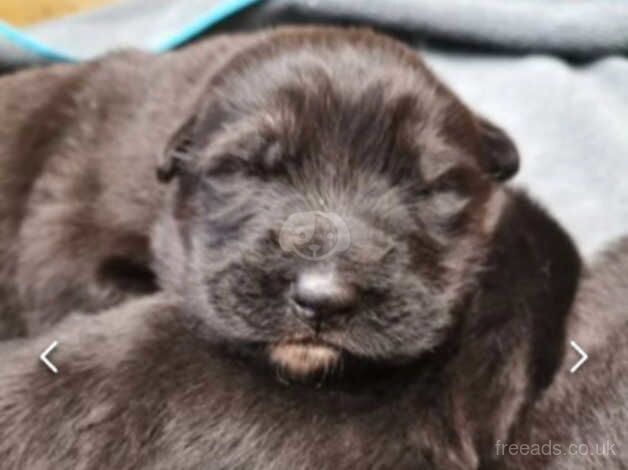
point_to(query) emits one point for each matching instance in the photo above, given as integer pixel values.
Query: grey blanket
(582, 29)
(570, 124)
(551, 73)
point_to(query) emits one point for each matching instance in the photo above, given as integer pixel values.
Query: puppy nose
(321, 294)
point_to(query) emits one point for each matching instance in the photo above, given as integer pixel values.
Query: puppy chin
(302, 360)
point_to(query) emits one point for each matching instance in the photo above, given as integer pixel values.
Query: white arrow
(583, 357)
(45, 360)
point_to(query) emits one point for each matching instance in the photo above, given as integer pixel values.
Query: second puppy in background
(78, 193)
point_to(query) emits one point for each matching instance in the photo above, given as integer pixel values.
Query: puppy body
(582, 418)
(136, 390)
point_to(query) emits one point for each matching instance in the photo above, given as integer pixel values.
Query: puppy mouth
(304, 357)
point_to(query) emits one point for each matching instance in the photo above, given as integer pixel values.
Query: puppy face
(334, 200)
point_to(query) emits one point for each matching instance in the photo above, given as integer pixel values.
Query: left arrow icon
(45, 360)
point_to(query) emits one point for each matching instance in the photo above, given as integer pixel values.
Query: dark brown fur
(135, 390)
(583, 417)
(463, 286)
(78, 193)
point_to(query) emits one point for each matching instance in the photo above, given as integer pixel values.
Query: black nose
(322, 294)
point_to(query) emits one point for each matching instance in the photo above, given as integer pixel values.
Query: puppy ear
(179, 151)
(500, 157)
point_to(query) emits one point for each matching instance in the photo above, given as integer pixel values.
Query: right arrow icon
(583, 357)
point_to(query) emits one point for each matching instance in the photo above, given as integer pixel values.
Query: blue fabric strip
(17, 38)
(21, 41)
(221, 12)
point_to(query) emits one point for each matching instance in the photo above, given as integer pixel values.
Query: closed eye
(228, 165)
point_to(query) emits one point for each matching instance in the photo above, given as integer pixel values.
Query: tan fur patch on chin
(303, 359)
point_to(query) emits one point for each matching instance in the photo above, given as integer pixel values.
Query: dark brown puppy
(78, 193)
(415, 336)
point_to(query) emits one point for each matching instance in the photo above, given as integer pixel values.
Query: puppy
(347, 283)
(78, 193)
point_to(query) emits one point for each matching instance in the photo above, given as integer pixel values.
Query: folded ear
(500, 157)
(179, 151)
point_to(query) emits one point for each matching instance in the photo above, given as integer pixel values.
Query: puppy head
(332, 200)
